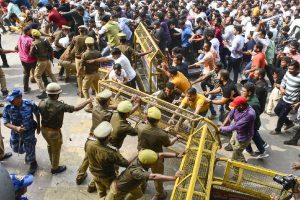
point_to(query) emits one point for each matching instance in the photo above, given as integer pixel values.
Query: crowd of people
(246, 53)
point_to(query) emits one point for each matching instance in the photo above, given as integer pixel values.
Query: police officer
(101, 112)
(18, 116)
(3, 155)
(129, 183)
(52, 111)
(42, 50)
(91, 75)
(121, 127)
(150, 136)
(102, 158)
(78, 45)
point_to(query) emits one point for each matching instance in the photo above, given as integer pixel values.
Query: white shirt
(264, 41)
(65, 41)
(228, 33)
(236, 47)
(125, 63)
(113, 76)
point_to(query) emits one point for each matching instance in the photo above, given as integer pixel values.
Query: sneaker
(60, 169)
(33, 168)
(80, 180)
(250, 153)
(60, 78)
(228, 147)
(262, 155)
(32, 80)
(43, 95)
(67, 79)
(275, 132)
(156, 197)
(266, 145)
(291, 142)
(288, 126)
(5, 156)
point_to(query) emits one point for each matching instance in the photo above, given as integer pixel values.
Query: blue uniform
(18, 116)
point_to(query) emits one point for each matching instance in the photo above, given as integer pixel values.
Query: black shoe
(79, 181)
(60, 169)
(5, 66)
(228, 147)
(6, 155)
(26, 91)
(43, 95)
(5, 93)
(33, 168)
(291, 142)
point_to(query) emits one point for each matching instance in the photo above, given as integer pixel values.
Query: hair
(219, 20)
(49, 7)
(177, 50)
(208, 43)
(117, 66)
(286, 29)
(152, 121)
(105, 18)
(294, 43)
(261, 72)
(270, 34)
(263, 31)
(286, 59)
(179, 56)
(173, 70)
(210, 33)
(224, 74)
(250, 87)
(103, 102)
(260, 46)
(170, 85)
(116, 51)
(192, 91)
(53, 96)
(295, 64)
(123, 115)
(181, 22)
(26, 29)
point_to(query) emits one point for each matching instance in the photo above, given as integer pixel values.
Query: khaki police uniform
(99, 115)
(1, 145)
(41, 49)
(154, 138)
(121, 128)
(129, 183)
(102, 159)
(67, 61)
(52, 112)
(91, 75)
(78, 44)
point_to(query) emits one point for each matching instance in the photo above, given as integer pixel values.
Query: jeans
(258, 141)
(3, 56)
(235, 64)
(282, 110)
(132, 83)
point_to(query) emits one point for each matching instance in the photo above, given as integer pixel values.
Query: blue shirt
(22, 115)
(185, 36)
(123, 25)
(22, 3)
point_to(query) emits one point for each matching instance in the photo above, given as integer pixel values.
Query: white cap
(103, 130)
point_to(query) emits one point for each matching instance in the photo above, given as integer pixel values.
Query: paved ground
(75, 131)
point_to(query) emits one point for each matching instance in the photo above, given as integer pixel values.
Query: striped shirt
(291, 84)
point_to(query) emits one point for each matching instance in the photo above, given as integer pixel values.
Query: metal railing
(144, 40)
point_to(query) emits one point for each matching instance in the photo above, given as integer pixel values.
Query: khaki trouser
(274, 97)
(82, 171)
(90, 80)
(1, 145)
(81, 74)
(70, 67)
(114, 194)
(238, 148)
(103, 185)
(158, 168)
(41, 67)
(2, 80)
(54, 141)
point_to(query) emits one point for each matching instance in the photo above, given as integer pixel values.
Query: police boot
(59, 169)
(91, 188)
(43, 95)
(156, 197)
(33, 168)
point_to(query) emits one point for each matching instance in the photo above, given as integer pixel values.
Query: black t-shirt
(229, 91)
(159, 35)
(261, 89)
(163, 96)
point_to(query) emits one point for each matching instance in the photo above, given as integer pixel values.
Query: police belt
(42, 59)
(78, 57)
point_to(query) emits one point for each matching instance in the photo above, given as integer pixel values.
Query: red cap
(238, 101)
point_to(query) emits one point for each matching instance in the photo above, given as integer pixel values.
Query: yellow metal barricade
(148, 72)
(123, 92)
(249, 179)
(197, 165)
